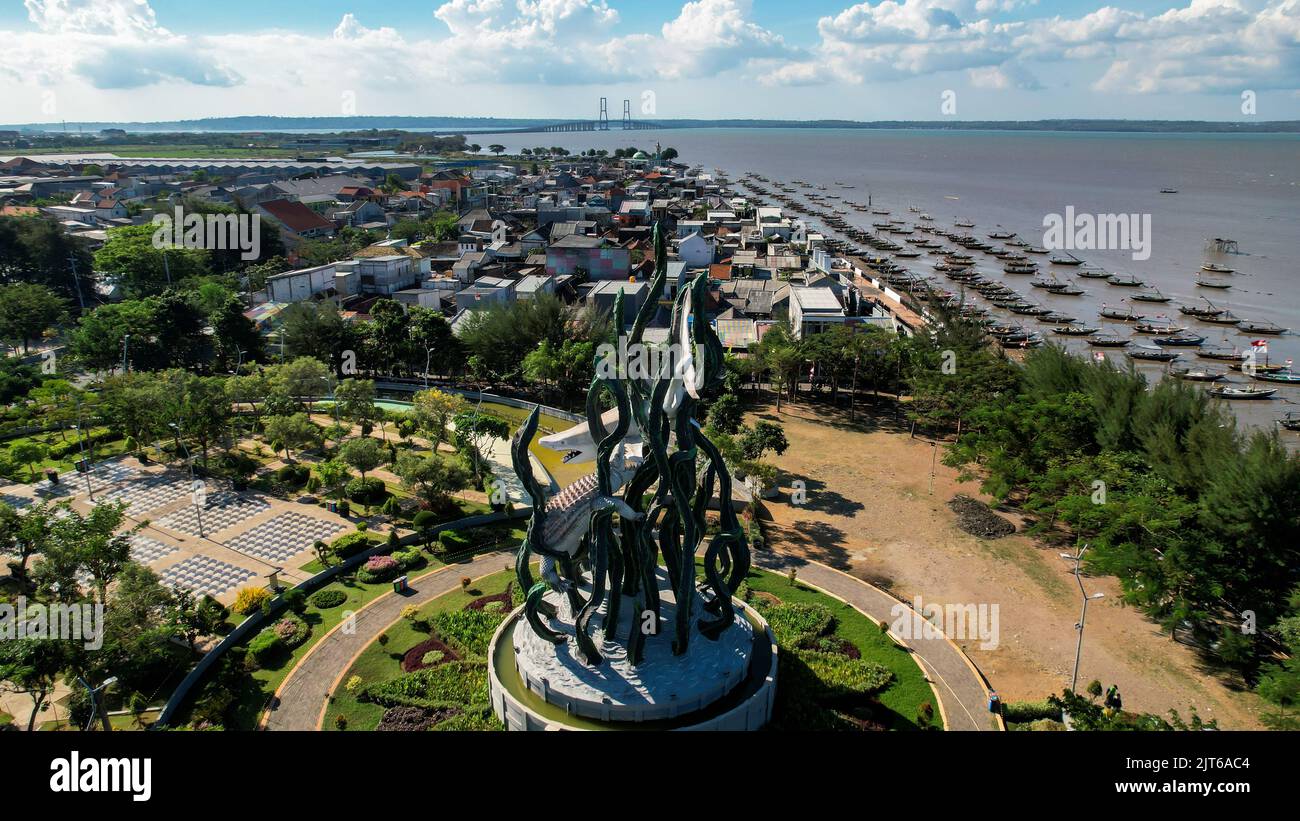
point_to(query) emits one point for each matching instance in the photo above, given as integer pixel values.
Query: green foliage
(797, 625)
(328, 598)
(456, 683)
(265, 648)
(1023, 712)
(350, 544)
(1195, 518)
(467, 631)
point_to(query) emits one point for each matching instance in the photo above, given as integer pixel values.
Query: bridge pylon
(603, 125)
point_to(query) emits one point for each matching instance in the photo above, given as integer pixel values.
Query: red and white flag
(1099, 356)
(1259, 343)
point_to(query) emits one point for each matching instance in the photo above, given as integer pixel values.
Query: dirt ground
(870, 511)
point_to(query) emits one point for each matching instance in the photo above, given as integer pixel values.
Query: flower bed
(417, 658)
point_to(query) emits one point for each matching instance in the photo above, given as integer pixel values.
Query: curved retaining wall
(751, 714)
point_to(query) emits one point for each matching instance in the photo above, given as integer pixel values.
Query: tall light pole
(1077, 558)
(126, 345)
(195, 493)
(428, 357)
(96, 705)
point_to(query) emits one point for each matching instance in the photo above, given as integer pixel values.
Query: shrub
(294, 599)
(378, 569)
(350, 544)
(432, 657)
(368, 491)
(353, 683)
(293, 475)
(264, 647)
(454, 684)
(451, 542)
(325, 599)
(345, 508)
(472, 720)
(291, 630)
(391, 507)
(249, 600)
(467, 631)
(313, 484)
(341, 722)
(424, 522)
(408, 559)
(797, 625)
(1023, 712)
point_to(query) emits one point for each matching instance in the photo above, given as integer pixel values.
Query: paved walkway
(963, 697)
(299, 703)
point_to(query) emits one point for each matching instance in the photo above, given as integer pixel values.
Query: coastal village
(580, 229)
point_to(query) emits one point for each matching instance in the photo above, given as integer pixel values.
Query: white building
(813, 310)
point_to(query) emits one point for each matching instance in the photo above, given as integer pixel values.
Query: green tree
(27, 311)
(433, 478)
(29, 453)
(364, 454)
(289, 432)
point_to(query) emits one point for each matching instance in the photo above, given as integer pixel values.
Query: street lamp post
(126, 345)
(428, 357)
(96, 705)
(1077, 558)
(194, 492)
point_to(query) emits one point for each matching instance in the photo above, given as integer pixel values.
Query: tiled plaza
(246, 535)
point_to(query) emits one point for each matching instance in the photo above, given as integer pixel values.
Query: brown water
(1243, 187)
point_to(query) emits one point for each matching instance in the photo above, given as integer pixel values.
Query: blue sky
(884, 59)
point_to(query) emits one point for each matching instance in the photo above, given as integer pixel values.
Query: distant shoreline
(248, 124)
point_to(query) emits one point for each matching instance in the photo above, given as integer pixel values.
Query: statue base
(723, 684)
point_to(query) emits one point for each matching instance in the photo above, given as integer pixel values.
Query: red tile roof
(295, 216)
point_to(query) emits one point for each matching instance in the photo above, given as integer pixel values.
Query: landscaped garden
(838, 669)
(242, 683)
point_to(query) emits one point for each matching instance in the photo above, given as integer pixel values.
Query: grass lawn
(908, 690)
(380, 662)
(102, 451)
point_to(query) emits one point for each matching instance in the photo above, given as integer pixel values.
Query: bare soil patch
(877, 507)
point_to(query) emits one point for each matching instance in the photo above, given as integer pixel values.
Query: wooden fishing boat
(1222, 286)
(1129, 281)
(1152, 354)
(1291, 421)
(1075, 330)
(1034, 249)
(1222, 354)
(1109, 341)
(1126, 315)
(1059, 319)
(1068, 290)
(1260, 367)
(1156, 328)
(1094, 273)
(1270, 328)
(1198, 375)
(1248, 392)
(1151, 296)
(1064, 259)
(1282, 377)
(1020, 268)
(1192, 310)
(1216, 268)
(1225, 318)
(1180, 341)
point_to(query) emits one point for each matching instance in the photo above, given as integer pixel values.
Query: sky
(152, 60)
